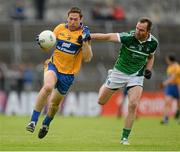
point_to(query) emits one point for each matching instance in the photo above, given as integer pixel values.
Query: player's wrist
(147, 74)
(86, 34)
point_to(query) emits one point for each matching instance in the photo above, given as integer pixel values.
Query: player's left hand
(147, 74)
(86, 34)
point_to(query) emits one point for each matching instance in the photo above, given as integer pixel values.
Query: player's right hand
(86, 34)
(37, 40)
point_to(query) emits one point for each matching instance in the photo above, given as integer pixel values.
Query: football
(47, 39)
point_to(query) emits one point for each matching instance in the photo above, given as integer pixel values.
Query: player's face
(74, 21)
(141, 31)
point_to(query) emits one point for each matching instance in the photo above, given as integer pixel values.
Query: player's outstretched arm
(87, 51)
(113, 37)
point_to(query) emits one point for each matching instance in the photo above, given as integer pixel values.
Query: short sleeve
(57, 29)
(154, 47)
(124, 37)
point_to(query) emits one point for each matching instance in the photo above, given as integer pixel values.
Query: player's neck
(144, 39)
(74, 29)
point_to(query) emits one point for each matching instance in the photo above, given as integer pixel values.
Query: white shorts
(116, 79)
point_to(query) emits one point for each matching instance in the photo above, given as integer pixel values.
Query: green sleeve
(124, 37)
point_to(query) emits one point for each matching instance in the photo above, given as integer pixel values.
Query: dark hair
(146, 20)
(171, 57)
(75, 10)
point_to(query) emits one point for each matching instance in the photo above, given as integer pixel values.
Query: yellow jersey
(174, 69)
(67, 56)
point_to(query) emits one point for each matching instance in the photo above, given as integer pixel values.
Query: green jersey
(133, 54)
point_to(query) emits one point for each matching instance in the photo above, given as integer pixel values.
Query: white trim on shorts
(117, 79)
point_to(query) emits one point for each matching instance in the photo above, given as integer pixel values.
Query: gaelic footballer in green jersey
(134, 62)
(133, 53)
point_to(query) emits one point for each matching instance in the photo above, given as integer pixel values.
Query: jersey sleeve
(57, 29)
(124, 36)
(154, 47)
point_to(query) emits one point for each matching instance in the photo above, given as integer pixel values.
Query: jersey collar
(149, 39)
(80, 26)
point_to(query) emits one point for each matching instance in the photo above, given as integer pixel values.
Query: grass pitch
(88, 134)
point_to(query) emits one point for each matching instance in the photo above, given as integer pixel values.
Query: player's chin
(73, 28)
(137, 36)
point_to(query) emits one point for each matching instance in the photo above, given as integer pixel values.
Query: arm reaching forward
(113, 37)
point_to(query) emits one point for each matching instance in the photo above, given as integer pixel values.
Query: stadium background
(21, 72)
(21, 60)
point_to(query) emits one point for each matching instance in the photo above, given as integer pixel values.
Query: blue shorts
(172, 90)
(64, 81)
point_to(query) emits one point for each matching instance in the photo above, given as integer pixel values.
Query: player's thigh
(50, 78)
(105, 94)
(168, 99)
(134, 94)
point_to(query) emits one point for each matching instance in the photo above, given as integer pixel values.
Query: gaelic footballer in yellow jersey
(73, 46)
(174, 71)
(171, 84)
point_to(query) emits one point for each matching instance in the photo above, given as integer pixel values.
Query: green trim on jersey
(133, 54)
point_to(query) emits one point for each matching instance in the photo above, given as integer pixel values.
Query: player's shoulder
(172, 67)
(60, 26)
(127, 35)
(172, 70)
(154, 39)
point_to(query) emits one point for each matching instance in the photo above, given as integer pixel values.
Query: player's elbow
(88, 59)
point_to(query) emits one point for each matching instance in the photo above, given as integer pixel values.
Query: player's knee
(101, 101)
(133, 106)
(48, 88)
